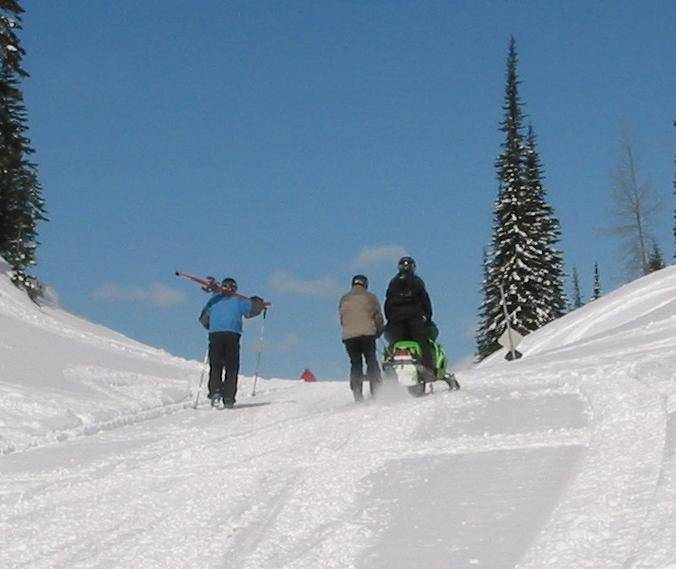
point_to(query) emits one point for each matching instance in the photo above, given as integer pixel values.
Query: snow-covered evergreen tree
(596, 291)
(523, 256)
(544, 232)
(21, 203)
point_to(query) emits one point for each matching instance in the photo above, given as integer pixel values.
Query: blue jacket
(224, 313)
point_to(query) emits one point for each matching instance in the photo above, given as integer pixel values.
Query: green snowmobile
(401, 361)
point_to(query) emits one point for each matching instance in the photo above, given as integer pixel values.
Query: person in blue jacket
(222, 316)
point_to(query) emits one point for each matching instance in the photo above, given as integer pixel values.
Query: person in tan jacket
(362, 321)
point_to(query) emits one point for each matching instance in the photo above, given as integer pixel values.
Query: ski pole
(258, 356)
(204, 367)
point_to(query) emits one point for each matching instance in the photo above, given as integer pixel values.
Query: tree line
(523, 274)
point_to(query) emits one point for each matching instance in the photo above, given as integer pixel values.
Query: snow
(61, 376)
(563, 459)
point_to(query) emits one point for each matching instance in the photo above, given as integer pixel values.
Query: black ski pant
(413, 329)
(223, 353)
(358, 348)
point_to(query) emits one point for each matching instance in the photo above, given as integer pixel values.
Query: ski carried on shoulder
(210, 284)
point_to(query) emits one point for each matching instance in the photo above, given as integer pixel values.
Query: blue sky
(292, 144)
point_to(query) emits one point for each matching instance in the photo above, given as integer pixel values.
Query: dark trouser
(363, 346)
(414, 329)
(223, 352)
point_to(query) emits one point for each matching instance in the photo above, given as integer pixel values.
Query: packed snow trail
(300, 477)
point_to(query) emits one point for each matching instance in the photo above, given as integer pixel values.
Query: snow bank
(61, 376)
(619, 353)
(616, 322)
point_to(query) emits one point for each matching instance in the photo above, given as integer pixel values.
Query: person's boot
(358, 396)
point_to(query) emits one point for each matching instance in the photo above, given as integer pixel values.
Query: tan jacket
(360, 314)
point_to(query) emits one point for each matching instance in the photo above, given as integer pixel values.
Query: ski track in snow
(282, 489)
(598, 522)
(284, 484)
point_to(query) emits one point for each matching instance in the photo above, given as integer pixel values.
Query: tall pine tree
(21, 203)
(544, 231)
(522, 258)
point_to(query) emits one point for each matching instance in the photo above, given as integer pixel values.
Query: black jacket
(407, 298)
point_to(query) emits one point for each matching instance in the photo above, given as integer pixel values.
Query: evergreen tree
(544, 233)
(21, 203)
(523, 258)
(596, 292)
(655, 259)
(577, 294)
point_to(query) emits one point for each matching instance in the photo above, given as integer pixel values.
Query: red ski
(211, 285)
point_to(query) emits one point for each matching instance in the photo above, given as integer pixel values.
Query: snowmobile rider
(222, 316)
(408, 310)
(362, 321)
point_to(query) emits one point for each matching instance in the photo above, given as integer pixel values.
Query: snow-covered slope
(619, 510)
(61, 375)
(564, 459)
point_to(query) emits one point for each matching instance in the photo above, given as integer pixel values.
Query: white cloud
(285, 282)
(287, 343)
(156, 294)
(370, 256)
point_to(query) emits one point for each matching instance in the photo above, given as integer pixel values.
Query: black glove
(204, 320)
(257, 306)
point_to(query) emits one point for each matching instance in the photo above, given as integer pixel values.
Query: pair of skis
(211, 285)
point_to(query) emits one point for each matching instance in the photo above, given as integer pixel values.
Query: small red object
(307, 375)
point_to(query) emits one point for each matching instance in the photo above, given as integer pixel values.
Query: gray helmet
(360, 280)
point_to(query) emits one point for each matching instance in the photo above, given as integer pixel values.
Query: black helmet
(406, 264)
(229, 283)
(360, 280)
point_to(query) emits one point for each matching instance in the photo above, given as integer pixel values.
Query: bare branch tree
(634, 206)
